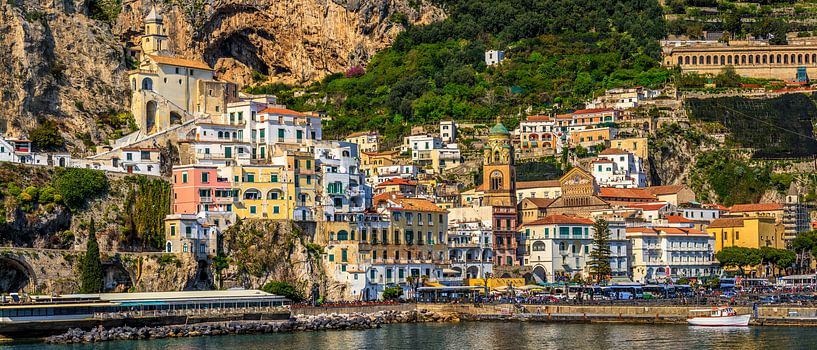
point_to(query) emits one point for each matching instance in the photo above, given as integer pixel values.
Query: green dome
(499, 129)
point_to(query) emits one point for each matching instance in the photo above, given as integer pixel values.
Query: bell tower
(154, 40)
(499, 174)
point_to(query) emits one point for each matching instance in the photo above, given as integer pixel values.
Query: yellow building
(369, 161)
(634, 145)
(262, 191)
(367, 141)
(747, 232)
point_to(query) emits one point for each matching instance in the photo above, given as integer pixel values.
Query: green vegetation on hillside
(147, 204)
(733, 179)
(781, 127)
(77, 185)
(558, 53)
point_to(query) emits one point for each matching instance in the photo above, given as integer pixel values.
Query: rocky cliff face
(291, 41)
(57, 63)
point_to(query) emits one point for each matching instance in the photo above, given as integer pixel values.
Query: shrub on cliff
(47, 136)
(283, 289)
(76, 185)
(91, 280)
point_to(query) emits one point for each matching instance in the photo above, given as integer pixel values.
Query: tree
(283, 289)
(738, 257)
(392, 293)
(91, 279)
(805, 243)
(727, 77)
(77, 185)
(600, 256)
(47, 136)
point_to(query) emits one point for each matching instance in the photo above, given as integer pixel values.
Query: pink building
(198, 188)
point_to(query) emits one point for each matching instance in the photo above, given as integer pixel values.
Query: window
(331, 257)
(184, 178)
(275, 210)
(273, 178)
(343, 255)
(737, 235)
(129, 156)
(172, 230)
(205, 177)
(252, 209)
(261, 133)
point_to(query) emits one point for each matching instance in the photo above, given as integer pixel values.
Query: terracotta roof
(664, 190)
(640, 230)
(727, 222)
(611, 151)
(522, 185)
(538, 118)
(740, 208)
(541, 202)
(593, 110)
(715, 206)
(283, 111)
(647, 206)
(564, 116)
(181, 62)
(416, 204)
(602, 160)
(633, 193)
(385, 196)
(560, 220)
(677, 219)
(679, 231)
(397, 181)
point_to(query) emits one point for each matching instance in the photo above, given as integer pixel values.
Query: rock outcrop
(290, 41)
(56, 63)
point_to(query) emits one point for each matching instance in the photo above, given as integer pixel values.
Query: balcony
(206, 199)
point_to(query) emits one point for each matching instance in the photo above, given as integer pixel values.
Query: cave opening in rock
(116, 278)
(14, 275)
(244, 46)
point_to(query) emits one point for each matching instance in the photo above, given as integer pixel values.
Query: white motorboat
(722, 316)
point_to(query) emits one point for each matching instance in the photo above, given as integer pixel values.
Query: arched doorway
(540, 275)
(150, 115)
(472, 272)
(15, 275)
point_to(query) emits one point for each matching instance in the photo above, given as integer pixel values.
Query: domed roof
(153, 16)
(499, 129)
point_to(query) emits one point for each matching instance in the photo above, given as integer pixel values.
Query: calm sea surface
(486, 335)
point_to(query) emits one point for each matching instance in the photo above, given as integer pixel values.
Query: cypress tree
(600, 256)
(91, 264)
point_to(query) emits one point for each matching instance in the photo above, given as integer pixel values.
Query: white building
(388, 172)
(618, 168)
(470, 248)
(558, 247)
(660, 253)
(344, 187)
(420, 147)
(448, 131)
(493, 57)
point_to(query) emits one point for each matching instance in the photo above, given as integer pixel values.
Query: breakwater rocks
(298, 323)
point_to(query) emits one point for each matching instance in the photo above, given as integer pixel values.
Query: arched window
(252, 194)
(538, 246)
(562, 246)
(813, 58)
(345, 153)
(343, 235)
(723, 59)
(708, 60)
(792, 59)
(765, 59)
(743, 59)
(785, 59)
(799, 59)
(694, 59)
(220, 134)
(751, 59)
(779, 60)
(496, 180)
(169, 247)
(686, 60)
(274, 195)
(729, 59)
(147, 84)
(757, 59)
(680, 60)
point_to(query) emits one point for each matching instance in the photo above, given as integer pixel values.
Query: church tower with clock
(499, 175)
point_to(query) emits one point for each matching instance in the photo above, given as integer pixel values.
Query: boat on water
(722, 316)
